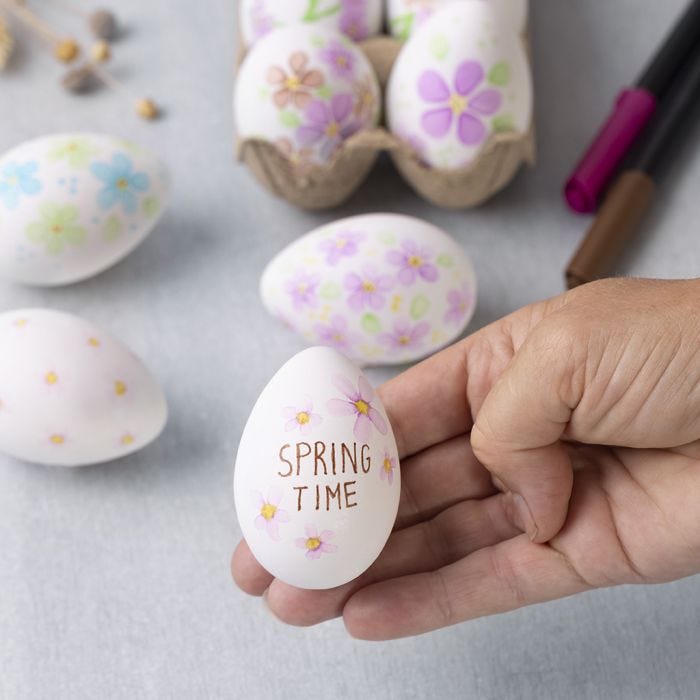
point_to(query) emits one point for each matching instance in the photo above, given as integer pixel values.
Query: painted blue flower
(17, 179)
(121, 183)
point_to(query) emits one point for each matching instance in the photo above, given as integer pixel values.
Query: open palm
(511, 494)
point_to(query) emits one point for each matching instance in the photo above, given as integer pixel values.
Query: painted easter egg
(458, 80)
(357, 19)
(72, 205)
(305, 90)
(381, 288)
(317, 479)
(405, 16)
(70, 393)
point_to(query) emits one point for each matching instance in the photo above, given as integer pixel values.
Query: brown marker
(630, 196)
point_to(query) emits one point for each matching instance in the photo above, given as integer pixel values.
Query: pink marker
(633, 109)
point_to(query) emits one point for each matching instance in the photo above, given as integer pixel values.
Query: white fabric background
(114, 580)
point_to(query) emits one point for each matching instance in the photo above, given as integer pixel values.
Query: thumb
(517, 431)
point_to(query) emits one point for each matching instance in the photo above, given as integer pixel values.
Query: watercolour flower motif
(388, 467)
(302, 289)
(294, 87)
(77, 152)
(342, 244)
(353, 20)
(340, 59)
(368, 290)
(405, 336)
(413, 262)
(329, 124)
(56, 228)
(358, 403)
(462, 103)
(16, 180)
(336, 334)
(261, 22)
(300, 159)
(460, 302)
(270, 515)
(316, 543)
(365, 99)
(301, 417)
(121, 183)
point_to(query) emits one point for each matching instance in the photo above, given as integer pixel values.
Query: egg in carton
(453, 105)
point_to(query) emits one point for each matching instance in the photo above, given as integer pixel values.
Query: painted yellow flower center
(341, 61)
(368, 286)
(301, 288)
(94, 342)
(387, 465)
(292, 82)
(333, 129)
(72, 147)
(362, 407)
(127, 439)
(119, 388)
(458, 104)
(338, 338)
(51, 378)
(268, 511)
(303, 417)
(122, 183)
(57, 439)
(313, 543)
(341, 243)
(404, 340)
(415, 261)
(57, 229)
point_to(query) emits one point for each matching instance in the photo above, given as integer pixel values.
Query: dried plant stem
(24, 14)
(145, 107)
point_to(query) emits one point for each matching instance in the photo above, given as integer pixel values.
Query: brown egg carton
(328, 185)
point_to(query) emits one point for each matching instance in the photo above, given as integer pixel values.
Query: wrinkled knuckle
(441, 596)
(505, 571)
(483, 440)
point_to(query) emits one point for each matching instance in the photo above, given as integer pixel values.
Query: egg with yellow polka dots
(70, 393)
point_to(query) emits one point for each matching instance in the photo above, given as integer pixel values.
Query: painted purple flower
(460, 304)
(342, 244)
(358, 403)
(329, 123)
(413, 261)
(302, 288)
(405, 336)
(462, 104)
(301, 417)
(386, 471)
(353, 21)
(340, 59)
(316, 543)
(336, 335)
(262, 23)
(270, 515)
(368, 290)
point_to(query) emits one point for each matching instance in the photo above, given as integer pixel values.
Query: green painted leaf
(503, 122)
(371, 324)
(387, 237)
(317, 42)
(289, 119)
(151, 206)
(439, 46)
(111, 228)
(325, 92)
(402, 25)
(419, 307)
(445, 260)
(330, 290)
(500, 74)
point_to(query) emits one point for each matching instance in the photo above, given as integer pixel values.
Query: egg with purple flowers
(357, 19)
(306, 91)
(382, 289)
(461, 79)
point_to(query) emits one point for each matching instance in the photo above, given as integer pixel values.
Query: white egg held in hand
(72, 205)
(305, 90)
(405, 16)
(71, 394)
(357, 19)
(317, 480)
(380, 288)
(461, 78)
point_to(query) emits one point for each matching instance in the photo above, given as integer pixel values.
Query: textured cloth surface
(114, 580)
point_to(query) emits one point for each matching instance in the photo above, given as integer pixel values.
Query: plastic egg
(305, 90)
(72, 205)
(461, 78)
(71, 394)
(405, 16)
(317, 479)
(381, 288)
(358, 19)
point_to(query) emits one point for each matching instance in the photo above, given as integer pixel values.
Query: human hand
(554, 451)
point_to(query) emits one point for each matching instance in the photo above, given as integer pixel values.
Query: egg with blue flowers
(72, 205)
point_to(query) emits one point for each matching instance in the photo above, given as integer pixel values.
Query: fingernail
(524, 515)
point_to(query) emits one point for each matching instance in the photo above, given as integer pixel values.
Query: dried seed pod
(103, 24)
(7, 43)
(101, 51)
(66, 50)
(79, 80)
(147, 108)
